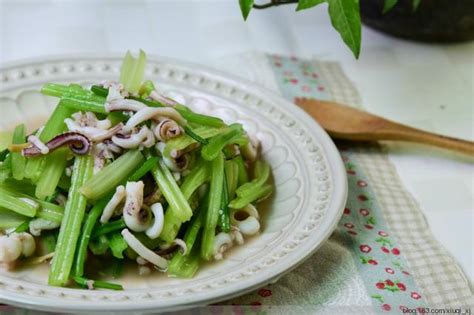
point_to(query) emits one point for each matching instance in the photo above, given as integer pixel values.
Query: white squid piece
(248, 226)
(15, 245)
(158, 221)
(116, 199)
(136, 218)
(143, 251)
(147, 113)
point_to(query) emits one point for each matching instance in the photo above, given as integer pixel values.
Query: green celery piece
(199, 119)
(183, 141)
(117, 244)
(211, 150)
(224, 211)
(47, 210)
(132, 71)
(171, 226)
(50, 211)
(5, 140)
(126, 68)
(71, 224)
(179, 265)
(101, 91)
(117, 117)
(184, 266)
(108, 178)
(26, 206)
(212, 214)
(108, 228)
(53, 169)
(257, 194)
(168, 186)
(198, 176)
(18, 186)
(47, 242)
(6, 168)
(146, 88)
(116, 268)
(10, 219)
(23, 227)
(99, 246)
(262, 173)
(143, 169)
(242, 176)
(89, 223)
(33, 168)
(18, 160)
(232, 177)
(97, 284)
(64, 182)
(54, 126)
(75, 98)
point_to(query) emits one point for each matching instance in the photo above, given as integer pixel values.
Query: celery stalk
(217, 143)
(18, 161)
(71, 224)
(168, 186)
(199, 175)
(257, 194)
(54, 126)
(132, 71)
(242, 176)
(183, 141)
(22, 205)
(215, 198)
(46, 210)
(84, 239)
(144, 168)
(232, 177)
(54, 166)
(262, 173)
(117, 244)
(108, 228)
(112, 175)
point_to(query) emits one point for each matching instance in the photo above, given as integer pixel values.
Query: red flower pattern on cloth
(265, 292)
(389, 270)
(415, 296)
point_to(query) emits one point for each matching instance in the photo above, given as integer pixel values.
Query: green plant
(344, 14)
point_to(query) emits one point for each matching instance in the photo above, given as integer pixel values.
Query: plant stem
(71, 224)
(273, 3)
(108, 178)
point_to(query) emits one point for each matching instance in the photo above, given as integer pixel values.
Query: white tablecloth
(422, 85)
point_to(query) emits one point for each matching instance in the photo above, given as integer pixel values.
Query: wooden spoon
(344, 122)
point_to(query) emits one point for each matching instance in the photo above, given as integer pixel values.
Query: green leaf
(306, 4)
(388, 5)
(416, 4)
(345, 17)
(245, 7)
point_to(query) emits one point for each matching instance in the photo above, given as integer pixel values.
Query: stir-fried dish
(119, 172)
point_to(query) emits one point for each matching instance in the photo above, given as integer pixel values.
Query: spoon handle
(394, 131)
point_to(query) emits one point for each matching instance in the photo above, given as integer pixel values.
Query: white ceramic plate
(309, 176)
